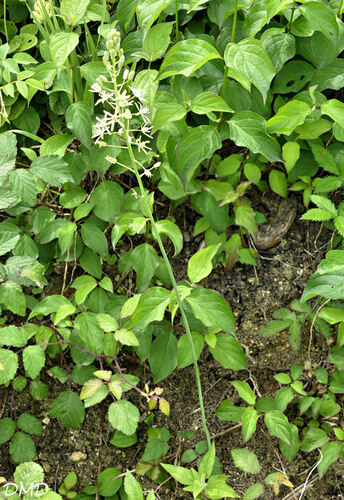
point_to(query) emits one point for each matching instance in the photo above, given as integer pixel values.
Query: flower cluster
(38, 10)
(127, 114)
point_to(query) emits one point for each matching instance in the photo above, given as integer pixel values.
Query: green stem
(177, 22)
(5, 21)
(292, 17)
(174, 283)
(340, 8)
(225, 76)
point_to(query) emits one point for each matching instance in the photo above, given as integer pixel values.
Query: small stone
(78, 456)
(46, 420)
(46, 467)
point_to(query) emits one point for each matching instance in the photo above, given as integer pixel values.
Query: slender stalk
(340, 8)
(5, 21)
(225, 76)
(174, 283)
(292, 16)
(177, 21)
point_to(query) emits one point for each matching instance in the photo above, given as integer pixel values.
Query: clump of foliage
(107, 106)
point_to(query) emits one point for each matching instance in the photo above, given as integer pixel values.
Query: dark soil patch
(254, 294)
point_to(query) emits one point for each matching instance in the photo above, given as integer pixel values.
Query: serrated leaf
(34, 360)
(245, 460)
(8, 152)
(52, 170)
(278, 425)
(22, 448)
(90, 387)
(217, 313)
(13, 298)
(126, 337)
(68, 408)
(23, 184)
(124, 416)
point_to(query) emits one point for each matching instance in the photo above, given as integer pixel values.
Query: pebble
(78, 456)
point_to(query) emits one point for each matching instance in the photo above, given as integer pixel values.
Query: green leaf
(52, 170)
(13, 298)
(330, 453)
(329, 286)
(245, 460)
(278, 425)
(151, 307)
(78, 121)
(124, 416)
(334, 109)
(290, 154)
(68, 408)
(248, 62)
(107, 322)
(248, 129)
(315, 438)
(89, 331)
(207, 462)
(187, 56)
(148, 11)
(126, 337)
(74, 10)
(34, 360)
(317, 214)
(156, 41)
(185, 357)
(132, 487)
(56, 145)
(84, 286)
(245, 391)
(206, 102)
(173, 232)
(7, 429)
(107, 485)
(229, 353)
(198, 144)
(49, 305)
(13, 336)
(200, 264)
(249, 422)
(106, 200)
(167, 110)
(22, 448)
(94, 238)
(90, 388)
(278, 183)
(145, 261)
(61, 45)
(217, 313)
(9, 237)
(245, 216)
(66, 235)
(23, 184)
(29, 423)
(322, 18)
(163, 355)
(120, 440)
(288, 117)
(8, 152)
(181, 474)
(279, 46)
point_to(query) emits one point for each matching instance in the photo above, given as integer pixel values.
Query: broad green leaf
(185, 357)
(8, 152)
(329, 286)
(145, 262)
(217, 313)
(34, 360)
(334, 109)
(278, 182)
(293, 77)
(330, 454)
(74, 10)
(250, 59)
(148, 11)
(66, 235)
(132, 487)
(181, 474)
(89, 331)
(314, 438)
(84, 286)
(94, 238)
(245, 391)
(290, 154)
(163, 355)
(200, 264)
(207, 462)
(126, 337)
(7, 429)
(48, 305)
(125, 12)
(23, 185)
(167, 110)
(278, 425)
(56, 145)
(52, 170)
(78, 120)
(187, 56)
(322, 18)
(290, 452)
(13, 298)
(217, 485)
(22, 448)
(245, 460)
(248, 129)
(90, 388)
(68, 408)
(288, 117)
(151, 307)
(13, 336)
(330, 76)
(106, 200)
(254, 491)
(8, 360)
(279, 46)
(249, 422)
(61, 45)
(173, 232)
(156, 41)
(245, 216)
(124, 417)
(9, 237)
(63, 312)
(198, 144)
(107, 484)
(146, 84)
(229, 353)
(209, 101)
(29, 423)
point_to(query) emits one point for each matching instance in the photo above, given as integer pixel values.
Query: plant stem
(225, 76)
(177, 21)
(292, 16)
(174, 283)
(5, 21)
(340, 8)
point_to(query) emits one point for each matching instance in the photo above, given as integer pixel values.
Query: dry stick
(174, 283)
